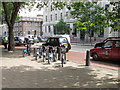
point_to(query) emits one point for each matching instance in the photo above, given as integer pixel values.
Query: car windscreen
(52, 40)
(63, 40)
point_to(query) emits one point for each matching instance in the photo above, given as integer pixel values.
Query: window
(101, 32)
(28, 32)
(66, 14)
(46, 18)
(108, 44)
(51, 17)
(51, 8)
(63, 40)
(117, 44)
(49, 29)
(34, 32)
(53, 41)
(46, 29)
(5, 33)
(61, 15)
(55, 16)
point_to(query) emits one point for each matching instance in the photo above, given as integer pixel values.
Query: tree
(62, 28)
(113, 15)
(10, 11)
(90, 16)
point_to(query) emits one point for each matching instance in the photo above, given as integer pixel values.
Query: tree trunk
(11, 39)
(10, 17)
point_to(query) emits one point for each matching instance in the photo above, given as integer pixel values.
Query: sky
(34, 12)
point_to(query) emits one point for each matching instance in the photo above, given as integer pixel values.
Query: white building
(3, 30)
(107, 30)
(51, 17)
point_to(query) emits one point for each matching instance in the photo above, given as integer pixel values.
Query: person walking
(5, 43)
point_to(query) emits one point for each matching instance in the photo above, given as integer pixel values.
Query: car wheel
(95, 56)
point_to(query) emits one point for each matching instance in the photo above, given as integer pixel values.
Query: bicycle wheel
(49, 58)
(40, 53)
(54, 56)
(44, 54)
(36, 57)
(29, 51)
(62, 59)
(23, 53)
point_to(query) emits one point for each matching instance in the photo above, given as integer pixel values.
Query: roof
(114, 39)
(57, 37)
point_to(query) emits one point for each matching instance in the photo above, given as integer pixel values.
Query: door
(116, 50)
(107, 50)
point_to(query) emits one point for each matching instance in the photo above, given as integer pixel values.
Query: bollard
(87, 58)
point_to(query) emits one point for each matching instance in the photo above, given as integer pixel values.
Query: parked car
(67, 36)
(58, 41)
(18, 40)
(29, 40)
(36, 40)
(101, 43)
(109, 50)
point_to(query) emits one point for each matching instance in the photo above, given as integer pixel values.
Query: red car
(109, 50)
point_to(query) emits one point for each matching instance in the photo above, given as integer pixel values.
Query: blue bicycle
(27, 51)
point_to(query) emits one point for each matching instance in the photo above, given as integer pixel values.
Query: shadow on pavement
(15, 54)
(67, 77)
(107, 62)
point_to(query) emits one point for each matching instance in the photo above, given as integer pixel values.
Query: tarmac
(26, 72)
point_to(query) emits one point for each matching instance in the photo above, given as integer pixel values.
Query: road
(81, 48)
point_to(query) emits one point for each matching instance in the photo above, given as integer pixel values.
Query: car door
(107, 50)
(116, 50)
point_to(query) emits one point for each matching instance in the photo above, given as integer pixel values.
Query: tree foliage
(90, 15)
(11, 10)
(113, 15)
(62, 28)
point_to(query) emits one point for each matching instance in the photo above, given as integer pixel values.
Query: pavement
(26, 72)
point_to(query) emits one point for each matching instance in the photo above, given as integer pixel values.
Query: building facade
(52, 17)
(107, 31)
(3, 30)
(28, 25)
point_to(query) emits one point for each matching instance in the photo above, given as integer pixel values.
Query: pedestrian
(5, 42)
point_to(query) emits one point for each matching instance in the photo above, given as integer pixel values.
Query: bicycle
(27, 50)
(63, 55)
(46, 53)
(54, 53)
(38, 52)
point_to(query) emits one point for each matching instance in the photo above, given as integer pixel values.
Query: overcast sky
(34, 12)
